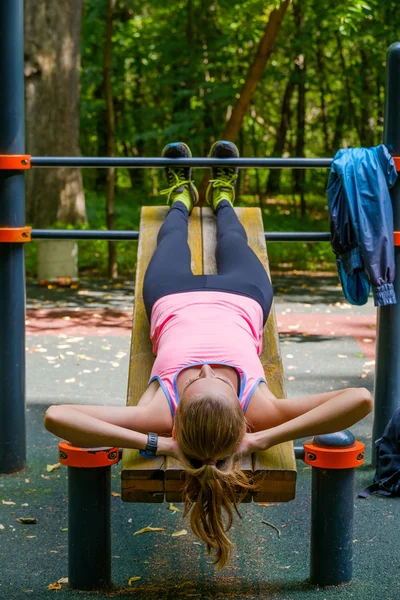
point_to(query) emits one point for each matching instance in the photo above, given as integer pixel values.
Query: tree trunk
(299, 174)
(352, 113)
(322, 94)
(254, 74)
(52, 63)
(110, 118)
(367, 104)
(273, 183)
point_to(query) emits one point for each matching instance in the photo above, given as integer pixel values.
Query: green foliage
(177, 70)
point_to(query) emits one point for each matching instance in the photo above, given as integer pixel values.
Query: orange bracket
(396, 235)
(15, 234)
(334, 458)
(72, 456)
(11, 162)
(396, 160)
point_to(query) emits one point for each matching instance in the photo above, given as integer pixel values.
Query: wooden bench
(145, 480)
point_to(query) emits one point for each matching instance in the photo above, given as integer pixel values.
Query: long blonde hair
(211, 428)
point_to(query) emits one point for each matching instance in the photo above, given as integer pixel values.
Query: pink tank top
(194, 328)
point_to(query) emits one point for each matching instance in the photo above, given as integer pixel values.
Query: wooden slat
(135, 466)
(275, 469)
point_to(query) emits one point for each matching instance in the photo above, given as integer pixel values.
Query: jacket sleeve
(343, 237)
(368, 174)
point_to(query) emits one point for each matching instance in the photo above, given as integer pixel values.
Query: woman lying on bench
(207, 386)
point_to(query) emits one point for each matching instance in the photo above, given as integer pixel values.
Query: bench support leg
(89, 527)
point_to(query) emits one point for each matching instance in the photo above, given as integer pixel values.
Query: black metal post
(12, 268)
(89, 527)
(332, 517)
(387, 381)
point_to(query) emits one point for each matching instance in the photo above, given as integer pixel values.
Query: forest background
(124, 78)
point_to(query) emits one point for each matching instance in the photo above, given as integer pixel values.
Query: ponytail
(212, 426)
(211, 493)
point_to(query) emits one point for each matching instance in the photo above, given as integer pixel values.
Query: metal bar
(124, 235)
(89, 527)
(387, 379)
(245, 163)
(12, 267)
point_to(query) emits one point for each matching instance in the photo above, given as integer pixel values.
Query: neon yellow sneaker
(223, 182)
(181, 186)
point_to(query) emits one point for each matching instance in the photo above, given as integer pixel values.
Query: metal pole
(332, 515)
(124, 235)
(12, 267)
(387, 383)
(89, 527)
(158, 162)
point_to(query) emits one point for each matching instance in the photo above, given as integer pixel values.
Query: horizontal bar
(121, 235)
(103, 162)
(299, 452)
(83, 234)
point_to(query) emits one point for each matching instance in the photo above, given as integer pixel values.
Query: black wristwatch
(151, 446)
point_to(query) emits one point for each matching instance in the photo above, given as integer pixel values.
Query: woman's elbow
(51, 418)
(366, 400)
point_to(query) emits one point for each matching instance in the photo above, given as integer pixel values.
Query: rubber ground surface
(75, 356)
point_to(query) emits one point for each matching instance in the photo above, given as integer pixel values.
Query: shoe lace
(225, 181)
(176, 180)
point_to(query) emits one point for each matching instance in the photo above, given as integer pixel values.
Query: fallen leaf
(1, 526)
(179, 533)
(174, 508)
(84, 357)
(360, 355)
(63, 528)
(30, 537)
(115, 494)
(341, 355)
(289, 355)
(367, 340)
(63, 580)
(45, 476)
(8, 502)
(72, 380)
(24, 504)
(291, 378)
(54, 586)
(267, 504)
(132, 579)
(51, 468)
(27, 520)
(149, 528)
(27, 480)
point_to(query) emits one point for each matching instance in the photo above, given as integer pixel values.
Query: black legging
(239, 269)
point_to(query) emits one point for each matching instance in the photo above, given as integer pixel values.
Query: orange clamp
(11, 162)
(396, 160)
(396, 235)
(15, 234)
(72, 456)
(346, 457)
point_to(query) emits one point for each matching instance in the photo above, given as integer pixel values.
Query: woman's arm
(91, 426)
(336, 414)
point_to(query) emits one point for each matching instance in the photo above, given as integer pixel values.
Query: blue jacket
(361, 223)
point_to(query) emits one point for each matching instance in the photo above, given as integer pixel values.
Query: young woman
(207, 398)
